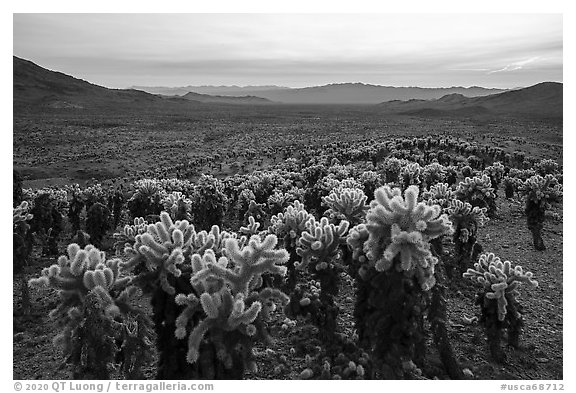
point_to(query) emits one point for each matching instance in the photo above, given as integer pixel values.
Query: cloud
(119, 50)
(469, 69)
(516, 65)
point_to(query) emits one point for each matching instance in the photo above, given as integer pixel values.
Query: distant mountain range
(209, 90)
(225, 99)
(339, 93)
(36, 88)
(543, 99)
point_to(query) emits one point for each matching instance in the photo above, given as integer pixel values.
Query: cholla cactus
(161, 248)
(255, 210)
(57, 197)
(547, 167)
(128, 236)
(439, 194)
(20, 213)
(319, 247)
(539, 192)
(46, 222)
(279, 200)
(323, 187)
(478, 192)
(290, 224)
(82, 271)
(94, 194)
(251, 262)
(214, 240)
(511, 185)
(229, 293)
(404, 227)
(394, 283)
(173, 184)
(500, 280)
(411, 174)
(496, 173)
(319, 244)
(542, 190)
(346, 204)
(522, 174)
(22, 241)
(451, 175)
(93, 295)
(177, 205)
(433, 173)
(97, 223)
(357, 236)
(464, 215)
(466, 220)
(209, 202)
(147, 187)
(515, 179)
(251, 228)
(371, 181)
(392, 167)
(147, 198)
(499, 299)
(467, 171)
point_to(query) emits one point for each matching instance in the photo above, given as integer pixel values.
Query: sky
(295, 50)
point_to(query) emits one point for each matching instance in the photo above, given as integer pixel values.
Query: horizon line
(134, 87)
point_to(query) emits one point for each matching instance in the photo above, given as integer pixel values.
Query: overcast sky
(434, 50)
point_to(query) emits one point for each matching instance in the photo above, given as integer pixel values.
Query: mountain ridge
(544, 99)
(37, 88)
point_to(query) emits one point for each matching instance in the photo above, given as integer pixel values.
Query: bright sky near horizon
(296, 50)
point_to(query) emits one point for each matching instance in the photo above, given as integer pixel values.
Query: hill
(541, 100)
(36, 88)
